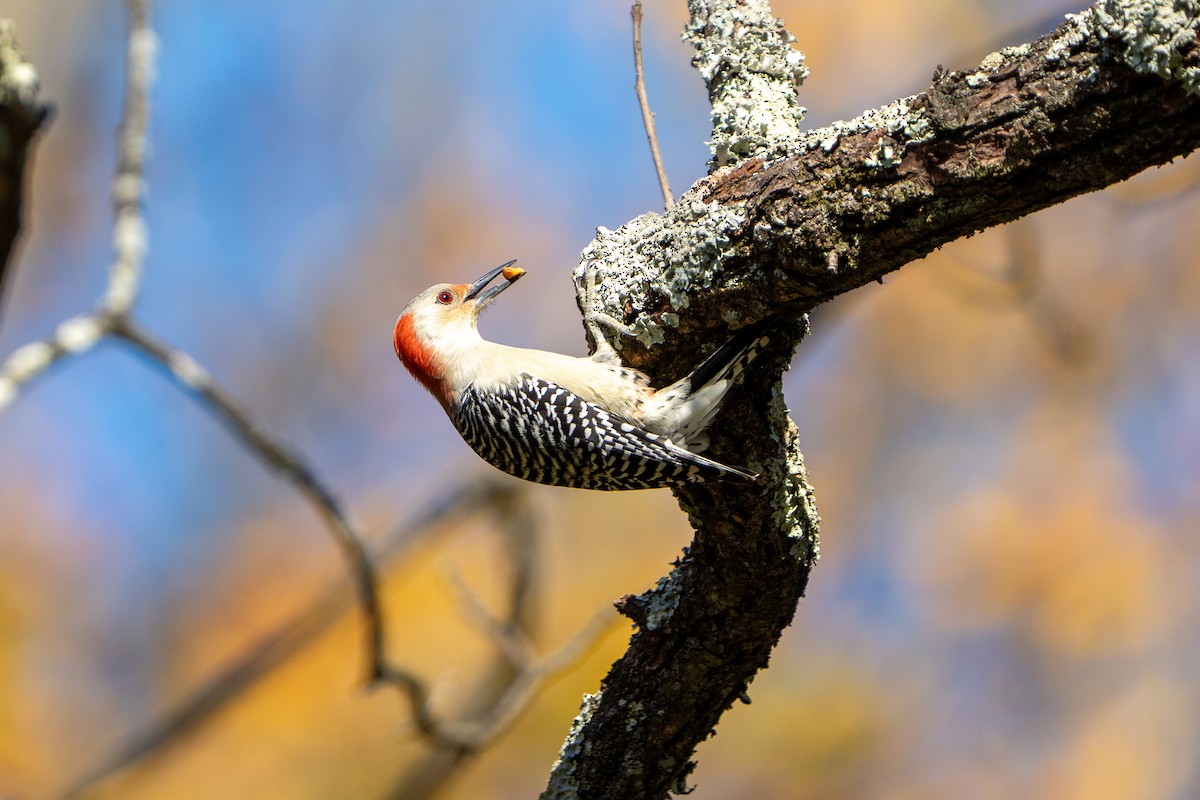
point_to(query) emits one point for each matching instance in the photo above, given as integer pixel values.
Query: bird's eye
(445, 298)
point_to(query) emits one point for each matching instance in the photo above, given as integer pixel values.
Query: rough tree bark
(789, 220)
(21, 116)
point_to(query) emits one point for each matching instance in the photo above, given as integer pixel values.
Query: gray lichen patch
(563, 784)
(651, 264)
(901, 121)
(793, 504)
(18, 78)
(1153, 35)
(1071, 35)
(746, 58)
(662, 600)
(988, 67)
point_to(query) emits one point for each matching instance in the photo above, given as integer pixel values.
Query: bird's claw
(594, 319)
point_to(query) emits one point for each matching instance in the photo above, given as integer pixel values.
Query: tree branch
(21, 117)
(192, 377)
(130, 238)
(845, 205)
(793, 221)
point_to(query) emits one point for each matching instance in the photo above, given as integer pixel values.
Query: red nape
(418, 359)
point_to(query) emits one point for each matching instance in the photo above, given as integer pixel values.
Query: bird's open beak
(482, 297)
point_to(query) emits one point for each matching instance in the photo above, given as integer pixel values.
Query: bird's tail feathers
(729, 360)
(688, 405)
(708, 470)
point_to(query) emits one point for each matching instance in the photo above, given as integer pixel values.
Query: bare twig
(128, 186)
(468, 737)
(192, 377)
(514, 678)
(522, 537)
(530, 680)
(428, 774)
(72, 337)
(644, 104)
(508, 640)
(521, 654)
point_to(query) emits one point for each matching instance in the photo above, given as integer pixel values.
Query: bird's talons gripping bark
(594, 320)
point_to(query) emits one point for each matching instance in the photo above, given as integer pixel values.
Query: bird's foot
(595, 320)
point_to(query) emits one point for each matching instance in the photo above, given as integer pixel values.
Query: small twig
(425, 776)
(530, 680)
(72, 337)
(128, 186)
(515, 676)
(471, 736)
(508, 640)
(529, 673)
(644, 103)
(189, 375)
(521, 536)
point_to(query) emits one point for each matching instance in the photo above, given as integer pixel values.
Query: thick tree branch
(1033, 126)
(794, 221)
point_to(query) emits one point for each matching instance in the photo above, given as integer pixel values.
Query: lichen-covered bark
(1032, 127)
(21, 115)
(745, 56)
(1110, 93)
(706, 628)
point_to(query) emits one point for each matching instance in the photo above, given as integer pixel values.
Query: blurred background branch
(130, 237)
(79, 334)
(501, 694)
(521, 673)
(277, 456)
(1019, 284)
(22, 115)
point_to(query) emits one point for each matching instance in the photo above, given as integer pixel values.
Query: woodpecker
(586, 422)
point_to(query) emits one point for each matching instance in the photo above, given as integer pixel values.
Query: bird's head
(441, 320)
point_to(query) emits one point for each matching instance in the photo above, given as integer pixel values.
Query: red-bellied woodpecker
(586, 422)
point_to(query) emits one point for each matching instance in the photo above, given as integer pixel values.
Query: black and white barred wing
(543, 433)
